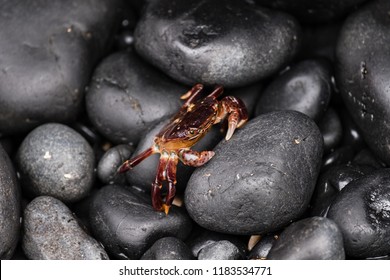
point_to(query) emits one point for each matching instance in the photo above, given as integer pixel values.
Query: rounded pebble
(305, 87)
(51, 232)
(108, 165)
(125, 222)
(362, 212)
(331, 129)
(127, 96)
(220, 250)
(10, 205)
(46, 64)
(190, 40)
(55, 160)
(225, 194)
(314, 238)
(168, 248)
(362, 74)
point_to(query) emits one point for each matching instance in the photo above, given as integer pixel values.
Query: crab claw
(237, 112)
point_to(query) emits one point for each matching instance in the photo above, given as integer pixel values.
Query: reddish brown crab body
(186, 128)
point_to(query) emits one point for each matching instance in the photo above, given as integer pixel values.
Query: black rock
(362, 211)
(352, 135)
(9, 207)
(331, 129)
(220, 250)
(331, 182)
(262, 248)
(305, 87)
(228, 42)
(201, 238)
(51, 232)
(143, 175)
(314, 11)
(46, 63)
(366, 158)
(362, 74)
(272, 164)
(341, 155)
(127, 96)
(168, 248)
(108, 164)
(55, 160)
(127, 225)
(314, 238)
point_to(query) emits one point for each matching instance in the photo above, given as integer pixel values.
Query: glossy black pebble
(271, 163)
(55, 160)
(228, 42)
(125, 222)
(51, 232)
(305, 87)
(9, 207)
(362, 211)
(168, 248)
(220, 250)
(314, 238)
(127, 96)
(108, 165)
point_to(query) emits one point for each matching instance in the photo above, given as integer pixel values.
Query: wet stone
(362, 212)
(361, 75)
(314, 238)
(108, 164)
(220, 250)
(9, 207)
(225, 194)
(127, 96)
(55, 160)
(168, 248)
(314, 11)
(123, 220)
(51, 232)
(191, 40)
(46, 64)
(331, 129)
(262, 248)
(304, 87)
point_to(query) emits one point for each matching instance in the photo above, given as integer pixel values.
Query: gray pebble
(51, 232)
(168, 248)
(220, 250)
(55, 160)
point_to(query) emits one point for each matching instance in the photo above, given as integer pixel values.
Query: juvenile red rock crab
(186, 128)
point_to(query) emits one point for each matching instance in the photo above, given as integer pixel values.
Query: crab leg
(238, 115)
(171, 178)
(193, 158)
(157, 184)
(129, 164)
(216, 92)
(192, 94)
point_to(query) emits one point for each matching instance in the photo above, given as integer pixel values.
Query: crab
(186, 128)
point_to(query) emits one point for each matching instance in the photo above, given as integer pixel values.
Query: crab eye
(192, 131)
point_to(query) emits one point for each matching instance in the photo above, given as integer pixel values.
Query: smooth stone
(271, 163)
(314, 11)
(55, 160)
(10, 207)
(168, 248)
(108, 165)
(362, 74)
(341, 155)
(143, 175)
(47, 63)
(304, 87)
(220, 250)
(331, 129)
(201, 238)
(331, 182)
(262, 248)
(52, 232)
(123, 220)
(352, 136)
(314, 238)
(366, 158)
(362, 211)
(127, 96)
(213, 42)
